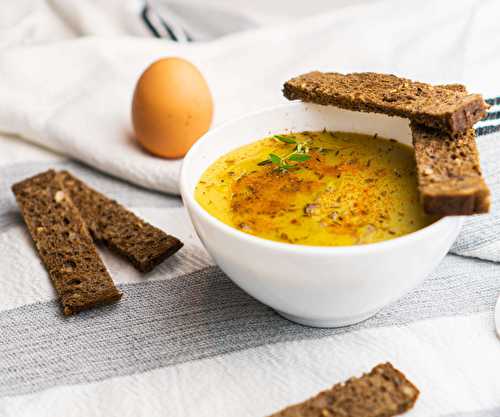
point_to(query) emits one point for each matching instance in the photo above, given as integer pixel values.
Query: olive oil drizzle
(326, 188)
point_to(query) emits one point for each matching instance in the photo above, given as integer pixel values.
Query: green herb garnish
(299, 157)
(299, 154)
(275, 159)
(285, 139)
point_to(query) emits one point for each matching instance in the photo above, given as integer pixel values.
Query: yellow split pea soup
(316, 188)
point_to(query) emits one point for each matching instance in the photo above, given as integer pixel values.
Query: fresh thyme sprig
(284, 139)
(299, 154)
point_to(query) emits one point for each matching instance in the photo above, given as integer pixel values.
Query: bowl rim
(444, 223)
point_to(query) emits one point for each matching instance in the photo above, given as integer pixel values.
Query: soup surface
(316, 188)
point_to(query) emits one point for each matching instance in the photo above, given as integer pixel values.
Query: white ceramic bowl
(313, 285)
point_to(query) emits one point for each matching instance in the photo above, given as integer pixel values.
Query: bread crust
(384, 392)
(144, 245)
(448, 108)
(449, 173)
(64, 244)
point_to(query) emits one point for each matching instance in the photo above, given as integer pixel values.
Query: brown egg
(172, 107)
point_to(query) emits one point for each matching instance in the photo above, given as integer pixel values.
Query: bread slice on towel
(384, 392)
(449, 173)
(64, 244)
(449, 109)
(144, 245)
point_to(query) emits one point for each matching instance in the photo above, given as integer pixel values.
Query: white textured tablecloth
(185, 341)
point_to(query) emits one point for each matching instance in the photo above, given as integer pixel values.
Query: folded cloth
(74, 96)
(30, 21)
(480, 236)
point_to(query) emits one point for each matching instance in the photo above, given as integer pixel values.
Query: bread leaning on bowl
(449, 175)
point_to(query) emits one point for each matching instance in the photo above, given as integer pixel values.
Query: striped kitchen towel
(491, 123)
(93, 78)
(185, 341)
(479, 237)
(49, 20)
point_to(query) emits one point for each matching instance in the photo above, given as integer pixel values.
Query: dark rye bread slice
(448, 171)
(441, 107)
(144, 245)
(384, 392)
(64, 244)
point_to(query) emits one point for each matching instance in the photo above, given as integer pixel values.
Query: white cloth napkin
(73, 96)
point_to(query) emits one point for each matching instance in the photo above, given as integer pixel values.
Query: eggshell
(172, 107)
